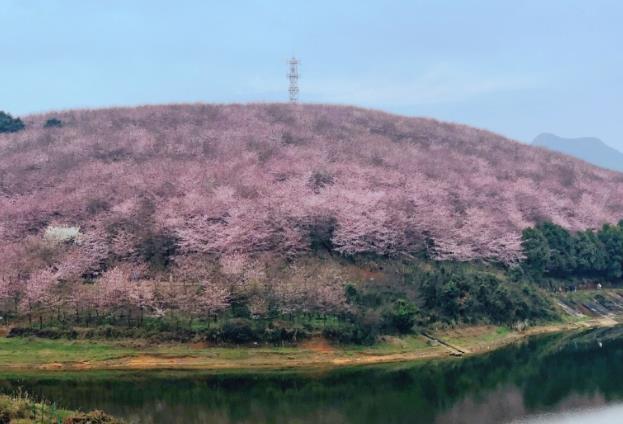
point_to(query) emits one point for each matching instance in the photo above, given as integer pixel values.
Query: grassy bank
(23, 354)
(23, 410)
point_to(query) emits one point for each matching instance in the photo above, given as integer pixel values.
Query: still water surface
(566, 378)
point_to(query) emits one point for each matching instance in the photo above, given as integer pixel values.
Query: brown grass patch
(317, 345)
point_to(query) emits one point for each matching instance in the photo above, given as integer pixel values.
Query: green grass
(35, 351)
(25, 353)
(408, 343)
(493, 335)
(19, 355)
(32, 352)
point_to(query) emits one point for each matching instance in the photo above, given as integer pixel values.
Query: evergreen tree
(552, 250)
(536, 249)
(562, 256)
(612, 238)
(53, 123)
(590, 253)
(9, 124)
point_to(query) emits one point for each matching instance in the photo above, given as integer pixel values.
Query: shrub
(95, 206)
(461, 296)
(321, 231)
(23, 409)
(53, 123)
(284, 332)
(158, 248)
(401, 317)
(362, 328)
(8, 124)
(349, 333)
(288, 139)
(341, 333)
(238, 330)
(320, 179)
(94, 417)
(45, 333)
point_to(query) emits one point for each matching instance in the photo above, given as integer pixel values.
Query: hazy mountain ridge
(589, 149)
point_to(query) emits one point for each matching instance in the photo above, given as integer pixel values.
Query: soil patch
(317, 345)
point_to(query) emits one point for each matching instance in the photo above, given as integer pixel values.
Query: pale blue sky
(517, 68)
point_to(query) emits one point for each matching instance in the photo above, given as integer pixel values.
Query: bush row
(474, 296)
(233, 331)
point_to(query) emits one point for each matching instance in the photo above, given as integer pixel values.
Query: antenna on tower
(293, 77)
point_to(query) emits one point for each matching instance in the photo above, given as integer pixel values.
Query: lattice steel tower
(293, 77)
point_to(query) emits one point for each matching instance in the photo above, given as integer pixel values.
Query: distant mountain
(590, 149)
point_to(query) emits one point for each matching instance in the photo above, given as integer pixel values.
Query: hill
(272, 222)
(242, 181)
(590, 149)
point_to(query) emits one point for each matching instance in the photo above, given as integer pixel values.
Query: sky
(517, 68)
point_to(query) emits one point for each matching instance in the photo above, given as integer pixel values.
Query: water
(566, 378)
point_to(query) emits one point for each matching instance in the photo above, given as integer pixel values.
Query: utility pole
(293, 77)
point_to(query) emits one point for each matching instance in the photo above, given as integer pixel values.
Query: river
(562, 378)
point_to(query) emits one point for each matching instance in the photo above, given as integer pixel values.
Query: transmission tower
(293, 77)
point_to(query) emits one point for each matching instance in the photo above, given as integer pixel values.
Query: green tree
(612, 238)
(536, 249)
(401, 316)
(562, 256)
(8, 124)
(590, 253)
(53, 123)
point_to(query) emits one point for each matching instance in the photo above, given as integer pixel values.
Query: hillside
(273, 223)
(239, 181)
(590, 149)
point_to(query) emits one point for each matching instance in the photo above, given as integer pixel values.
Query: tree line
(553, 251)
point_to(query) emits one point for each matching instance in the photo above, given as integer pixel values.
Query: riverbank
(24, 410)
(28, 354)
